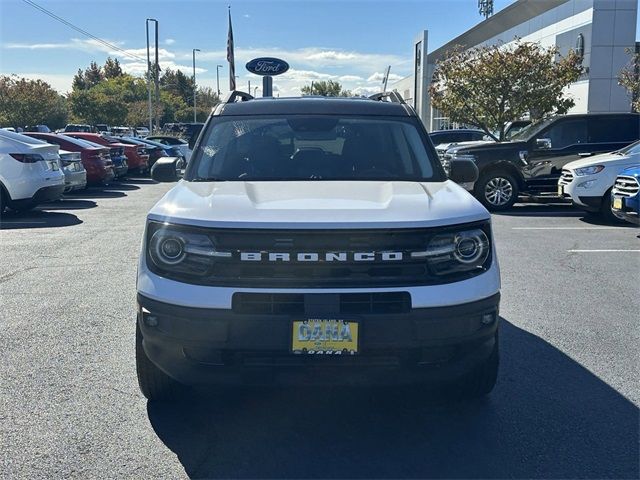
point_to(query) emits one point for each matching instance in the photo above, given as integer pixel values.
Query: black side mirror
(167, 169)
(463, 171)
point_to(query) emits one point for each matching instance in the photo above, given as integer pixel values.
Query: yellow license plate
(324, 337)
(617, 203)
(560, 190)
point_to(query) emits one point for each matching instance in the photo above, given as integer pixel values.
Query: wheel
(497, 190)
(481, 380)
(3, 201)
(153, 382)
(605, 209)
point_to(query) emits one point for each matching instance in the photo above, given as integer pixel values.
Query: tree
(328, 88)
(30, 102)
(112, 68)
(489, 86)
(93, 75)
(629, 78)
(78, 81)
(178, 84)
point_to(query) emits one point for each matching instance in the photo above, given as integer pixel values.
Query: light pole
(194, 84)
(255, 89)
(218, 67)
(149, 70)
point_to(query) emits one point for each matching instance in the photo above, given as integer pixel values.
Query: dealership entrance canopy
(602, 29)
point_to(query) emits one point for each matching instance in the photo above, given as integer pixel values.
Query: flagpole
(230, 56)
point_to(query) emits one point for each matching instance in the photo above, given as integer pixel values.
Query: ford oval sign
(267, 66)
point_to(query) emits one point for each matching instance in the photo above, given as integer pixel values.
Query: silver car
(75, 176)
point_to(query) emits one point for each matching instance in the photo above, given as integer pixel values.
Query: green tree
(178, 84)
(112, 68)
(629, 78)
(489, 86)
(30, 102)
(78, 81)
(93, 75)
(324, 88)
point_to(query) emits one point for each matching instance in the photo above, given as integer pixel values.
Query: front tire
(481, 380)
(154, 383)
(497, 190)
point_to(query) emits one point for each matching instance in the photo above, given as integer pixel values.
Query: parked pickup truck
(531, 162)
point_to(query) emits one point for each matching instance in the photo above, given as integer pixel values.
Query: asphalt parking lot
(566, 403)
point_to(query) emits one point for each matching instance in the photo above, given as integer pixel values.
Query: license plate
(560, 190)
(324, 337)
(617, 203)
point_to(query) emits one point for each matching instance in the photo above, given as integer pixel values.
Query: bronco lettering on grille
(320, 257)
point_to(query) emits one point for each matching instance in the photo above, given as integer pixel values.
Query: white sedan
(588, 181)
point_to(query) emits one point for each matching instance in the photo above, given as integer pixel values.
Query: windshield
(313, 148)
(530, 130)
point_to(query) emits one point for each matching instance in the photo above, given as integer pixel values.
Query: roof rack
(233, 97)
(393, 97)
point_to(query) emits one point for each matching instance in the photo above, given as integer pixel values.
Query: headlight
(457, 252)
(175, 249)
(463, 156)
(589, 170)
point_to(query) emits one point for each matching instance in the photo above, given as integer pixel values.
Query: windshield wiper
(208, 179)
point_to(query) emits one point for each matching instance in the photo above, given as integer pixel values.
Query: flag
(230, 59)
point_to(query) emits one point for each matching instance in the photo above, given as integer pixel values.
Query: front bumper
(205, 345)
(630, 210)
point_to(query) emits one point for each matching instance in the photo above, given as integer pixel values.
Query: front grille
(344, 303)
(626, 186)
(566, 178)
(321, 273)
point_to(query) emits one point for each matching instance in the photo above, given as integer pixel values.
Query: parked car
(137, 156)
(75, 127)
(588, 182)
(75, 176)
(121, 131)
(183, 145)
(30, 172)
(439, 137)
(625, 195)
(36, 128)
(531, 163)
(320, 242)
(102, 128)
(116, 150)
(170, 150)
(96, 160)
(142, 131)
(153, 151)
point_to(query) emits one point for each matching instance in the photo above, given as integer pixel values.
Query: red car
(96, 161)
(137, 158)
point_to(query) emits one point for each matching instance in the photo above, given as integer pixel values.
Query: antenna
(485, 8)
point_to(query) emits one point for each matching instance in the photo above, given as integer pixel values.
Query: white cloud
(366, 91)
(377, 77)
(59, 81)
(246, 15)
(350, 78)
(169, 41)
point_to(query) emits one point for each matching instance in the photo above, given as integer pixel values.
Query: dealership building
(602, 30)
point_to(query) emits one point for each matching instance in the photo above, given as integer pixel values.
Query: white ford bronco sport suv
(316, 240)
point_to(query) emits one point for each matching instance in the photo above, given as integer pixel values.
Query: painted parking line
(601, 251)
(566, 228)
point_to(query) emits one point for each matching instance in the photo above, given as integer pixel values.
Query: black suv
(531, 161)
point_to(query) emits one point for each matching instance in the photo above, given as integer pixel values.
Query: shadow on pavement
(68, 204)
(37, 219)
(139, 181)
(122, 185)
(110, 191)
(547, 418)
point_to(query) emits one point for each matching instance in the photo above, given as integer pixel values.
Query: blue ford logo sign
(267, 66)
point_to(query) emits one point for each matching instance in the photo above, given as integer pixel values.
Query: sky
(348, 41)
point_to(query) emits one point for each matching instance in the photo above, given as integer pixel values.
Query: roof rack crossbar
(391, 96)
(233, 97)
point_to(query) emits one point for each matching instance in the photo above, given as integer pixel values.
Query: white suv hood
(318, 204)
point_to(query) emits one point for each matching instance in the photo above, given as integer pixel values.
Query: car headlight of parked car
(581, 172)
